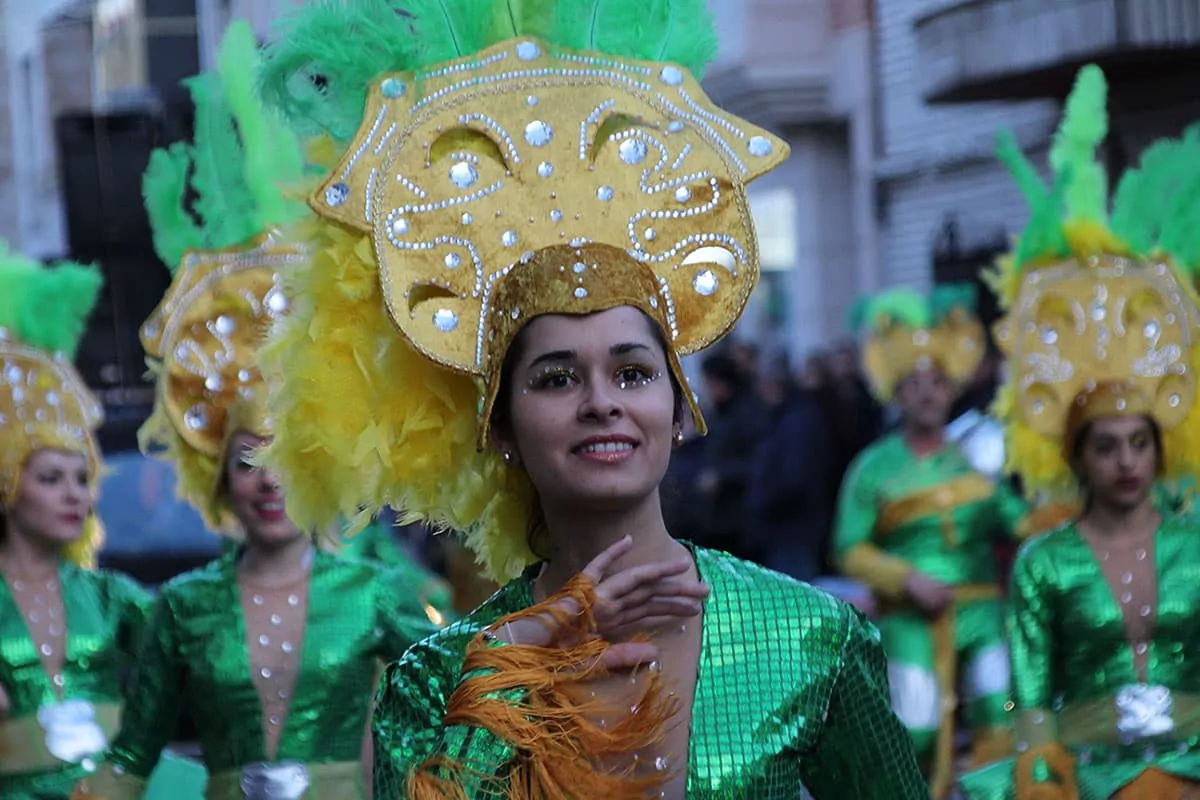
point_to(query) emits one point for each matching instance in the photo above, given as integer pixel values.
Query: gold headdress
(44, 403)
(1100, 310)
(202, 340)
(908, 332)
(528, 169)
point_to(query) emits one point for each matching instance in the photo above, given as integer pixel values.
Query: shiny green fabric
(889, 471)
(1069, 646)
(791, 689)
(105, 619)
(195, 658)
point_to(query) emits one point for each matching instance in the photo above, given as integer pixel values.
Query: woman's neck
(19, 555)
(578, 538)
(1117, 522)
(276, 566)
(923, 440)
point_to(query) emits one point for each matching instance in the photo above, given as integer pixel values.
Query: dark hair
(537, 537)
(721, 367)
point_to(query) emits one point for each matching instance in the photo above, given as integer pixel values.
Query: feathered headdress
(44, 403)
(504, 160)
(908, 331)
(224, 251)
(1100, 305)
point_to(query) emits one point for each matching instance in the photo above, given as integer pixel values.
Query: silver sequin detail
(452, 260)
(393, 88)
(509, 238)
(528, 51)
(671, 75)
(604, 193)
(545, 169)
(705, 282)
(759, 146)
(683, 194)
(467, 218)
(464, 175)
(400, 226)
(445, 320)
(336, 194)
(633, 151)
(539, 133)
(195, 418)
(580, 292)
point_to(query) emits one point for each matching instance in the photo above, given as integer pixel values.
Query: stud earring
(677, 438)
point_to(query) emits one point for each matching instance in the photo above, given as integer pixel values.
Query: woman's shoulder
(445, 649)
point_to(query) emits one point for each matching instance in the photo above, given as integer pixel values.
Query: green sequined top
(791, 690)
(1071, 654)
(105, 619)
(196, 658)
(934, 513)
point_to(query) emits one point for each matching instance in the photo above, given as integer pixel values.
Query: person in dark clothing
(735, 428)
(684, 508)
(787, 497)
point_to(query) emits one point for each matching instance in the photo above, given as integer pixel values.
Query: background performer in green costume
(917, 522)
(1101, 330)
(273, 650)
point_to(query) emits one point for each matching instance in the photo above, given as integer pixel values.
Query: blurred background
(890, 107)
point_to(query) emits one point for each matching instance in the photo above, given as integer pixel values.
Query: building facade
(949, 73)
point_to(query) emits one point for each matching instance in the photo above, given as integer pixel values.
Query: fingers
(667, 587)
(621, 584)
(628, 655)
(599, 565)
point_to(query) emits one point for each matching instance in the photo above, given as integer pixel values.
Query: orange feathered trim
(1062, 768)
(561, 744)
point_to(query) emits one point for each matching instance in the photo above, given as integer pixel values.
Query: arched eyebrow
(625, 348)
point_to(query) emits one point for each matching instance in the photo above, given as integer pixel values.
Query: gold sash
(23, 742)
(935, 501)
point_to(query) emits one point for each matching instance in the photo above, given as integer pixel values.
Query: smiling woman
(491, 340)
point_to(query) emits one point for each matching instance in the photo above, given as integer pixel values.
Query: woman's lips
(606, 451)
(270, 511)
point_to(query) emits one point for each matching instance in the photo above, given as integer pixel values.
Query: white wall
(35, 200)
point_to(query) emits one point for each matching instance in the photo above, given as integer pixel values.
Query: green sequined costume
(105, 619)
(1074, 663)
(936, 515)
(197, 658)
(791, 690)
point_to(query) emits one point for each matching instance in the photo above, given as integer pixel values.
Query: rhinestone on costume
(400, 226)
(445, 320)
(452, 260)
(759, 146)
(538, 133)
(276, 301)
(633, 151)
(671, 75)
(337, 194)
(545, 169)
(225, 325)
(675, 126)
(579, 267)
(650, 234)
(195, 418)
(509, 238)
(1173, 401)
(556, 216)
(393, 88)
(528, 51)
(467, 218)
(1049, 335)
(213, 383)
(683, 194)
(1151, 329)
(705, 282)
(604, 193)
(580, 292)
(464, 175)
(531, 100)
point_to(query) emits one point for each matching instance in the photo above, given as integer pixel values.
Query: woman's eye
(635, 375)
(553, 379)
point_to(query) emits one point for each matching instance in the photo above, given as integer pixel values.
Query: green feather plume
(46, 307)
(949, 297)
(164, 186)
(900, 306)
(1082, 130)
(325, 53)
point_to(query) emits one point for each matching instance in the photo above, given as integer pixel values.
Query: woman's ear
(504, 444)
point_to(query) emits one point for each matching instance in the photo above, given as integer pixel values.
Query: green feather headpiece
(325, 54)
(240, 158)
(1153, 210)
(46, 307)
(909, 308)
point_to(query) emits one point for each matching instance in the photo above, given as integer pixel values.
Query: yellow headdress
(512, 167)
(1100, 311)
(907, 332)
(202, 340)
(44, 403)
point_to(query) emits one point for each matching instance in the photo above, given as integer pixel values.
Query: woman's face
(53, 498)
(592, 408)
(256, 495)
(1118, 460)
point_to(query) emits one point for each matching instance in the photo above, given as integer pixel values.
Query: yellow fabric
(885, 574)
(1099, 335)
(23, 742)
(955, 347)
(337, 781)
(945, 666)
(202, 342)
(402, 316)
(45, 404)
(933, 501)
